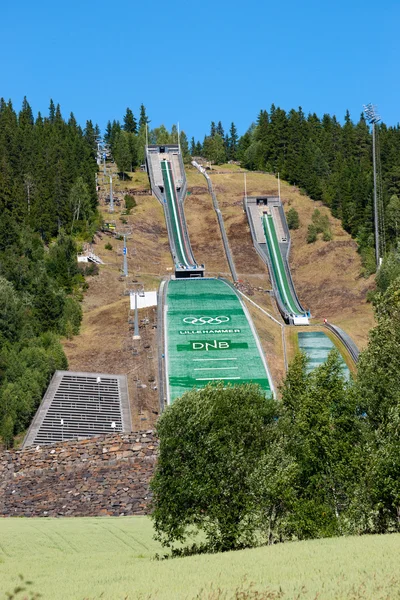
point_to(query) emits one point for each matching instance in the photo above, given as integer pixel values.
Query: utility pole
(136, 334)
(372, 118)
(125, 251)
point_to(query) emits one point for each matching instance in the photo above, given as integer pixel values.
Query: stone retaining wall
(107, 475)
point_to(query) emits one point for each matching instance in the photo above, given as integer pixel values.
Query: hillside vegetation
(92, 558)
(47, 198)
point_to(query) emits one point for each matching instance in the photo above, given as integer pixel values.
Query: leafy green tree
(161, 135)
(393, 217)
(173, 136)
(323, 436)
(184, 147)
(382, 475)
(214, 149)
(211, 444)
(379, 364)
(389, 271)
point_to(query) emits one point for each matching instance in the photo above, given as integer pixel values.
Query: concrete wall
(107, 475)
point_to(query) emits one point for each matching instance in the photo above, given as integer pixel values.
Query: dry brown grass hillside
(105, 343)
(327, 275)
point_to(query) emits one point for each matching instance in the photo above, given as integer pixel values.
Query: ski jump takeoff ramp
(168, 183)
(271, 239)
(209, 337)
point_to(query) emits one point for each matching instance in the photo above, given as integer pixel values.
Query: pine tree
(25, 117)
(108, 133)
(52, 111)
(72, 122)
(90, 135)
(143, 119)
(115, 130)
(130, 125)
(192, 147)
(233, 142)
(220, 130)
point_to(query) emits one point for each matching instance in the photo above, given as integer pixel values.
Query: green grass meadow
(113, 558)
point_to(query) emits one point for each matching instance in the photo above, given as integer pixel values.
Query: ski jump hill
(168, 183)
(208, 334)
(271, 239)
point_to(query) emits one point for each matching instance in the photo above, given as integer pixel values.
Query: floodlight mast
(372, 118)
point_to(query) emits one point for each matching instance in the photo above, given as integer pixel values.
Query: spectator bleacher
(80, 405)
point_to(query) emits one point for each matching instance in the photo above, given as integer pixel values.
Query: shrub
(292, 218)
(322, 225)
(368, 261)
(311, 234)
(108, 246)
(72, 317)
(88, 269)
(130, 202)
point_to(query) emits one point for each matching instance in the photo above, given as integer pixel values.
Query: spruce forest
(47, 204)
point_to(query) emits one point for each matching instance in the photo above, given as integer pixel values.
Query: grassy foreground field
(113, 558)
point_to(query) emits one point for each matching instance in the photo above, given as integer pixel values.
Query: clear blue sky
(195, 62)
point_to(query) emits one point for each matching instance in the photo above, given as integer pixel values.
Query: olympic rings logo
(206, 320)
